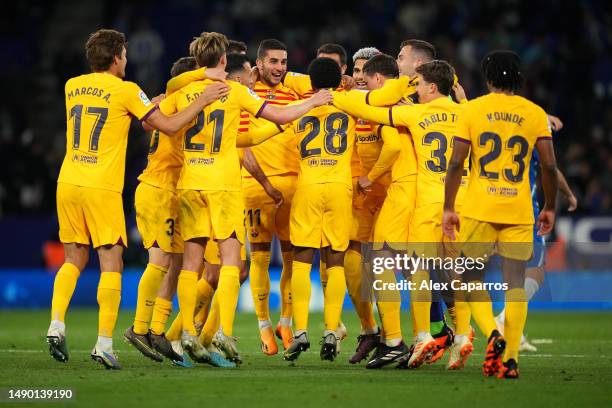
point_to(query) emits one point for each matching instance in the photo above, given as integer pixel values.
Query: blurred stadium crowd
(566, 49)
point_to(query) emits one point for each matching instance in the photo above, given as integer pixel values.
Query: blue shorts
(539, 251)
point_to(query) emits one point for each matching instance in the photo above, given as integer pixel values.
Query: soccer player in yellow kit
(391, 227)
(207, 308)
(501, 129)
(302, 86)
(279, 161)
(99, 108)
(412, 54)
(321, 209)
(211, 203)
(370, 148)
(432, 125)
(156, 204)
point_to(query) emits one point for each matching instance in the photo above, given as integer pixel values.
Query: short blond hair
(208, 48)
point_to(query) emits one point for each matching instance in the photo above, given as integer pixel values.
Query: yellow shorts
(213, 256)
(425, 232)
(482, 238)
(262, 218)
(321, 216)
(366, 208)
(157, 218)
(85, 212)
(393, 223)
(211, 214)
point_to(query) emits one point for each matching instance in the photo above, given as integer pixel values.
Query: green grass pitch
(573, 369)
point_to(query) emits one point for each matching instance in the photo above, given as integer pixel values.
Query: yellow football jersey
(99, 110)
(403, 87)
(405, 166)
(164, 161)
(298, 83)
(356, 168)
(165, 158)
(211, 160)
(276, 156)
(502, 131)
(433, 126)
(325, 139)
(179, 81)
(369, 143)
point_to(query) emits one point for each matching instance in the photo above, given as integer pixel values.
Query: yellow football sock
(362, 303)
(285, 284)
(390, 319)
(147, 290)
(260, 283)
(413, 320)
(212, 323)
(421, 301)
(323, 274)
(452, 312)
(204, 296)
(462, 314)
(300, 292)
(514, 321)
(176, 328)
(334, 297)
(187, 292)
(109, 297)
(228, 291)
(63, 288)
(482, 310)
(161, 312)
(389, 303)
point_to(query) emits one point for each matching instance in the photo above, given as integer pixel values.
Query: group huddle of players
(324, 161)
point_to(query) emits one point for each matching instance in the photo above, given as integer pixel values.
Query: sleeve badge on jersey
(253, 94)
(144, 98)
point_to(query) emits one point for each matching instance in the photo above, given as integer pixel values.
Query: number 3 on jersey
(334, 139)
(217, 117)
(439, 155)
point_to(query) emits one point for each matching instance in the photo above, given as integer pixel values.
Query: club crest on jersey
(144, 98)
(270, 94)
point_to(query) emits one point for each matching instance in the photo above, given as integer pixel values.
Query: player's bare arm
(459, 93)
(172, 124)
(567, 192)
(155, 101)
(282, 115)
(257, 135)
(450, 219)
(546, 152)
(555, 123)
(252, 166)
